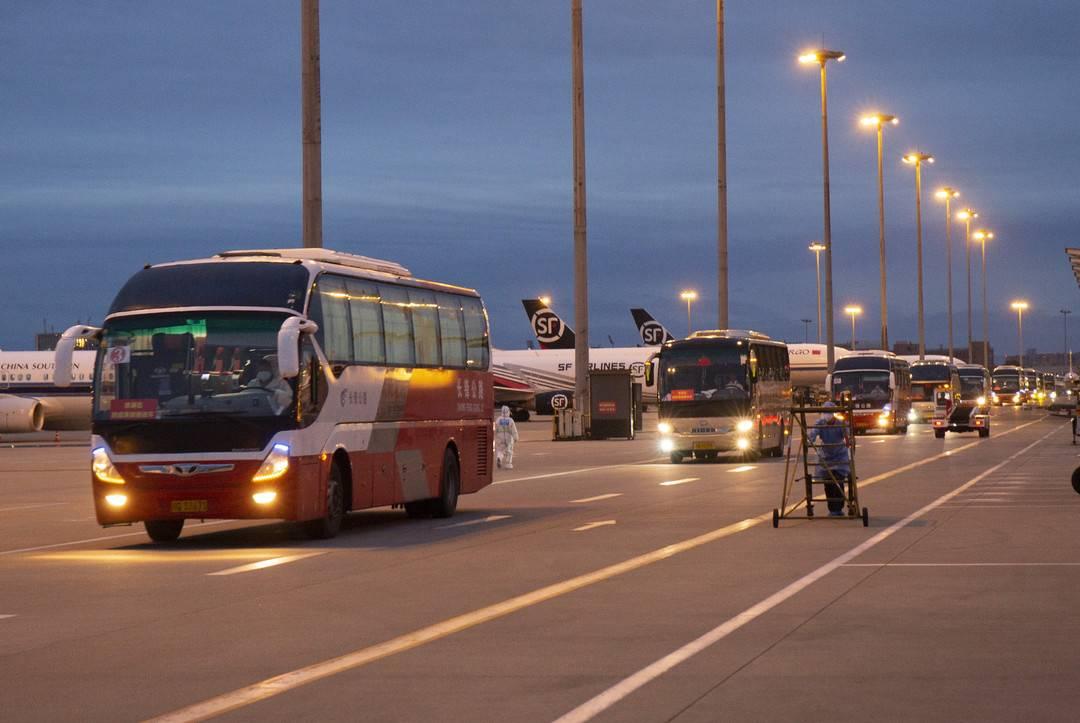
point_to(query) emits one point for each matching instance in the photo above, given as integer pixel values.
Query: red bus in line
(293, 384)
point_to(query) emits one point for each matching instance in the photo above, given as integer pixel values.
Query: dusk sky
(137, 132)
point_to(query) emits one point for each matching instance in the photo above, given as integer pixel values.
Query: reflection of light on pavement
(154, 556)
(742, 468)
(682, 481)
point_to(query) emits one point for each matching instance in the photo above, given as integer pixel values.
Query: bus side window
(397, 325)
(476, 332)
(330, 310)
(367, 327)
(451, 331)
(425, 317)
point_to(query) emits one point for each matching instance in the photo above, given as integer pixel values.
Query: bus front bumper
(726, 441)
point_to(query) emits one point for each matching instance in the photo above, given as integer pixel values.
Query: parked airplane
(29, 398)
(652, 331)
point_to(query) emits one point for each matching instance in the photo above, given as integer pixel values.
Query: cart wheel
(865, 517)
(775, 517)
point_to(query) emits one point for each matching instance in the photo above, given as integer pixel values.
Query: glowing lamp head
(688, 295)
(1019, 305)
(876, 120)
(545, 300)
(821, 56)
(817, 247)
(946, 194)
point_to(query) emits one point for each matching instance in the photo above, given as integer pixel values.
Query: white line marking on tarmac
(290, 680)
(99, 539)
(263, 564)
(470, 523)
(597, 498)
(32, 506)
(579, 470)
(2, 617)
(962, 564)
(682, 481)
(605, 700)
(742, 468)
(594, 525)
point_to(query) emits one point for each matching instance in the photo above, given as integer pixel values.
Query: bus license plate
(188, 506)
(703, 445)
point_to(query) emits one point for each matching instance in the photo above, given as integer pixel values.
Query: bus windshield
(971, 387)
(929, 373)
(863, 385)
(188, 364)
(694, 374)
(1006, 382)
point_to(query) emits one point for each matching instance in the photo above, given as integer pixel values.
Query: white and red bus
(293, 384)
(879, 386)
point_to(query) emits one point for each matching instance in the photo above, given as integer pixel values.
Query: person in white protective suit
(506, 435)
(267, 377)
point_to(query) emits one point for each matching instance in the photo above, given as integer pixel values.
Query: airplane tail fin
(652, 331)
(551, 331)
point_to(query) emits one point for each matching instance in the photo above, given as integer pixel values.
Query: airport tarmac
(593, 581)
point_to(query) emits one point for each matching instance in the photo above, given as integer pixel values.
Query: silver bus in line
(722, 392)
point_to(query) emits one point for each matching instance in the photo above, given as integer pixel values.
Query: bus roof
(729, 334)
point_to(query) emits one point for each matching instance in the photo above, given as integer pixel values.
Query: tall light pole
(878, 121)
(721, 170)
(917, 159)
(1019, 306)
(967, 215)
(853, 311)
(688, 296)
(311, 130)
(1065, 320)
(817, 247)
(581, 265)
(821, 58)
(947, 194)
(982, 236)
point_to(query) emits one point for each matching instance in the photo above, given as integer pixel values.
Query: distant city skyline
(168, 131)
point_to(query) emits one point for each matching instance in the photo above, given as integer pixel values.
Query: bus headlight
(883, 420)
(981, 401)
(665, 428)
(1053, 395)
(275, 464)
(912, 415)
(667, 445)
(743, 443)
(103, 467)
(264, 498)
(744, 425)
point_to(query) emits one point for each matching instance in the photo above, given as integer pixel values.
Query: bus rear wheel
(328, 526)
(449, 487)
(163, 530)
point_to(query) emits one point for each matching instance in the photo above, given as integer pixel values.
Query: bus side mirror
(649, 373)
(828, 384)
(65, 350)
(288, 344)
(892, 380)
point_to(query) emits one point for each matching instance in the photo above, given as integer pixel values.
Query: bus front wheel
(328, 526)
(164, 530)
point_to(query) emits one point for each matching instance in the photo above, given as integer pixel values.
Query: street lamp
(1020, 306)
(806, 329)
(821, 57)
(688, 296)
(853, 311)
(966, 216)
(1065, 318)
(817, 247)
(878, 121)
(917, 159)
(947, 194)
(982, 236)
(545, 300)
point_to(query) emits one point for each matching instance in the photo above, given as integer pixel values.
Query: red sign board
(682, 395)
(133, 408)
(605, 407)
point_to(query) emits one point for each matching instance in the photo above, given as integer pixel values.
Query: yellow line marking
(263, 564)
(285, 682)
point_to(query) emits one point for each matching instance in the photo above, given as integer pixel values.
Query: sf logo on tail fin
(652, 331)
(551, 331)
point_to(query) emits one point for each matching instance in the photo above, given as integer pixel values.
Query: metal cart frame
(801, 463)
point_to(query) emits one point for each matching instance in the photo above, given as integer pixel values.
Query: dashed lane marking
(470, 523)
(594, 525)
(263, 564)
(682, 481)
(2, 617)
(100, 539)
(597, 498)
(579, 470)
(32, 506)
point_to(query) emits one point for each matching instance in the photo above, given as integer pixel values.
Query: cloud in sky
(138, 132)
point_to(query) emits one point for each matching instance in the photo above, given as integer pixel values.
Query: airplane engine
(21, 415)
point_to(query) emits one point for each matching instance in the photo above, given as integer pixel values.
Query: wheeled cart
(803, 470)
